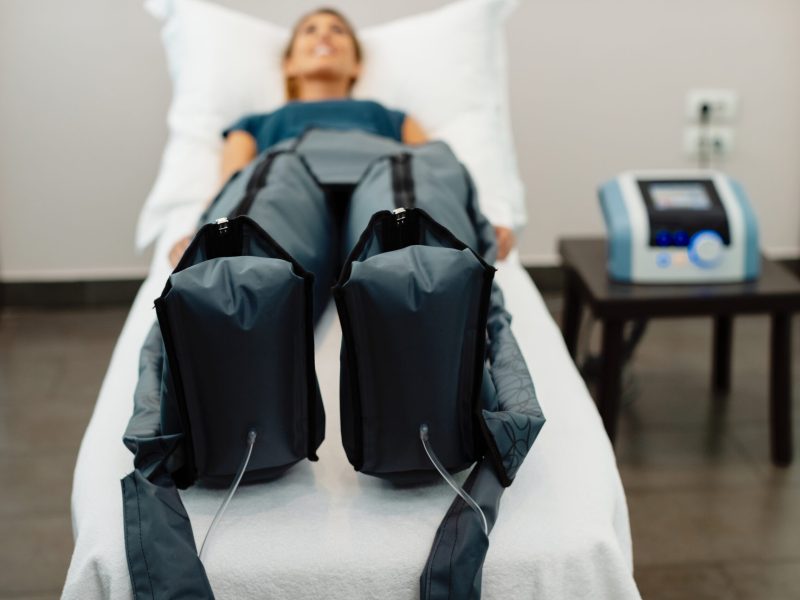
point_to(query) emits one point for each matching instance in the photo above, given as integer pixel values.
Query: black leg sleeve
(512, 420)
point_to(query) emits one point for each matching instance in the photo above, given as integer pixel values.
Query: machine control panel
(679, 209)
(679, 227)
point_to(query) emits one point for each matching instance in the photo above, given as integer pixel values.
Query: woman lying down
(329, 196)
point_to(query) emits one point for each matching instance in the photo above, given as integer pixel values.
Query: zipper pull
(222, 226)
(399, 227)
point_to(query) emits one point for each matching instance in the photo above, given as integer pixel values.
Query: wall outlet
(713, 142)
(722, 104)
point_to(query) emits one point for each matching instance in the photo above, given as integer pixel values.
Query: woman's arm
(506, 240)
(239, 149)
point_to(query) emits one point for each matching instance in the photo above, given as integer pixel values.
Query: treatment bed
(324, 530)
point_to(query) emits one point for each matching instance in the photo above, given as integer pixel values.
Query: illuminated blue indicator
(663, 238)
(663, 260)
(680, 238)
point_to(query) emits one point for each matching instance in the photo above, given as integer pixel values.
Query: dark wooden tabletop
(776, 290)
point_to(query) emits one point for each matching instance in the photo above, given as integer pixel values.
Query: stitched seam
(436, 543)
(453, 550)
(141, 543)
(127, 539)
(494, 453)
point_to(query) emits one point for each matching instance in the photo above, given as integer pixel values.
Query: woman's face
(323, 47)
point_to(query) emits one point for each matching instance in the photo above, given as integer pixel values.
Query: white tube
(251, 440)
(423, 435)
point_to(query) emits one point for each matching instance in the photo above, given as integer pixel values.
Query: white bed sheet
(325, 531)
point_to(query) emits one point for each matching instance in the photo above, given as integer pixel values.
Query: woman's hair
(292, 93)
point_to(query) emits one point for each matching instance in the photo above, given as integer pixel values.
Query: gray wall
(596, 87)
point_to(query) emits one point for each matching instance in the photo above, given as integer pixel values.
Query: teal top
(293, 118)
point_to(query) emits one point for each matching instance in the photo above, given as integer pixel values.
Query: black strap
(257, 181)
(455, 564)
(259, 177)
(402, 181)
(159, 544)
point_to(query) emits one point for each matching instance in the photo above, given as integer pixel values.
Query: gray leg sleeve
(516, 422)
(162, 557)
(159, 545)
(453, 569)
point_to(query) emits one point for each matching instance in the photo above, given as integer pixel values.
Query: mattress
(324, 530)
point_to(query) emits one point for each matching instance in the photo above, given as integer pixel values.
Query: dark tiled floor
(711, 518)
(51, 366)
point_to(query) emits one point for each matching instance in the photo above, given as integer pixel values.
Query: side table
(776, 292)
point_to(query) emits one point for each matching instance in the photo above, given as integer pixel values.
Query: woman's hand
(178, 249)
(412, 132)
(505, 241)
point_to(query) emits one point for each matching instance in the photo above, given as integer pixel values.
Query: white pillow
(447, 68)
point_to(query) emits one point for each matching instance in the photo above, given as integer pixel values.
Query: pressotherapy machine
(432, 379)
(679, 227)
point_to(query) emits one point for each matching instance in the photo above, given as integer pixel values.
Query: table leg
(780, 389)
(609, 384)
(721, 365)
(571, 312)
